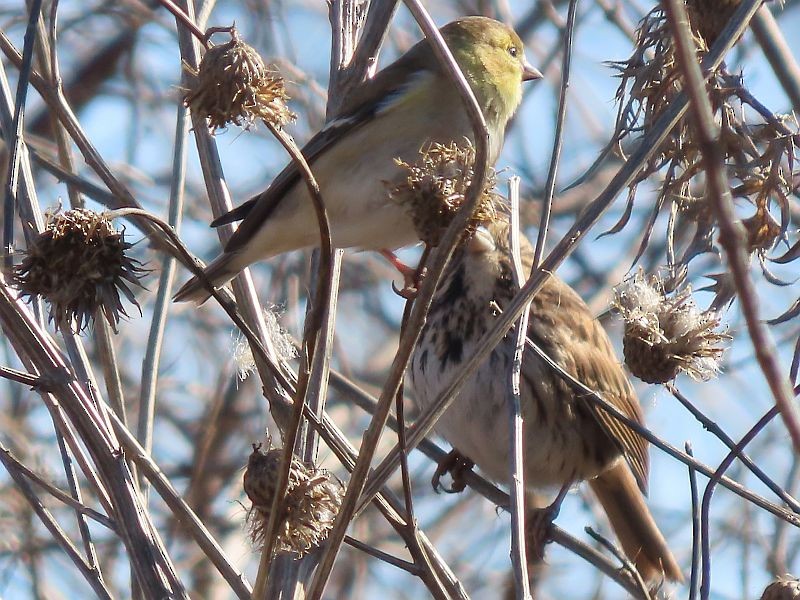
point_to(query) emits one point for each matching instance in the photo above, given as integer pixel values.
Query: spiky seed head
(80, 265)
(435, 187)
(786, 587)
(665, 335)
(313, 498)
(234, 85)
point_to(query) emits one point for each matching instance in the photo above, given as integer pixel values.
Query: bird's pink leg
(411, 279)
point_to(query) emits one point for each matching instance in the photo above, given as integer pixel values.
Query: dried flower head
(435, 188)
(784, 588)
(79, 264)
(759, 157)
(233, 85)
(665, 335)
(313, 498)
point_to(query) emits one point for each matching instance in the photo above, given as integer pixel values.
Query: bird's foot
(539, 525)
(411, 278)
(457, 465)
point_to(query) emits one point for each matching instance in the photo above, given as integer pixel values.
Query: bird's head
(492, 58)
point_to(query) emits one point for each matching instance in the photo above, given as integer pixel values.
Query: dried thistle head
(435, 188)
(233, 85)
(786, 587)
(80, 265)
(313, 498)
(759, 158)
(665, 335)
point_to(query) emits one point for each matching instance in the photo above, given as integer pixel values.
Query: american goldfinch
(406, 106)
(567, 438)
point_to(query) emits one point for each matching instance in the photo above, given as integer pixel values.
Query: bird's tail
(634, 526)
(219, 272)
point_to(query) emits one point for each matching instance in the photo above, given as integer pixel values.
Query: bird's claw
(457, 465)
(539, 530)
(539, 525)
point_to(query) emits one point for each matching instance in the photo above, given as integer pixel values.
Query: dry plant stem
(364, 61)
(319, 313)
(586, 220)
(184, 20)
(92, 576)
(380, 555)
(641, 588)
(155, 339)
(400, 417)
(778, 53)
(421, 304)
(108, 360)
(777, 559)
(27, 189)
(49, 60)
(731, 235)
(711, 426)
(696, 529)
(15, 143)
(11, 462)
(181, 510)
(268, 366)
(705, 505)
(516, 426)
(558, 140)
(145, 550)
(24, 378)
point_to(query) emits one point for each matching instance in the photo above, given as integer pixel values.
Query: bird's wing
(590, 360)
(369, 99)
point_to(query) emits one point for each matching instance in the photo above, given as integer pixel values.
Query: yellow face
(492, 57)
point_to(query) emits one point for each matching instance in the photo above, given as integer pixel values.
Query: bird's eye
(513, 51)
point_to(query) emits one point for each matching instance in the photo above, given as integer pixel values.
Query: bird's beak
(529, 72)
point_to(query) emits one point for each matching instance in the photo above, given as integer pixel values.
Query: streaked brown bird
(567, 439)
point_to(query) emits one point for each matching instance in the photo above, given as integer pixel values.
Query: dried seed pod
(313, 498)
(233, 85)
(784, 588)
(79, 264)
(666, 335)
(435, 188)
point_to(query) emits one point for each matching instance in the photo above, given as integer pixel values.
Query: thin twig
(705, 505)
(155, 338)
(11, 462)
(558, 139)
(711, 426)
(517, 442)
(92, 576)
(14, 138)
(696, 529)
(642, 590)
